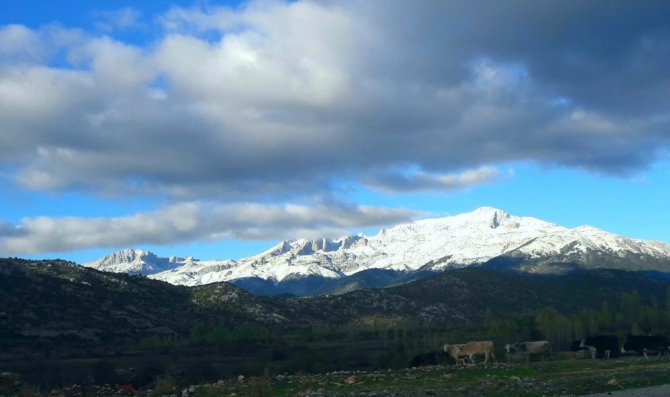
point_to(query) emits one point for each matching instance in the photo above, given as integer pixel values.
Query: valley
(65, 324)
(207, 198)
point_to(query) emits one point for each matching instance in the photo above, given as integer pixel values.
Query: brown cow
(470, 349)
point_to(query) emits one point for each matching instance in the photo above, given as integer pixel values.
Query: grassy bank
(557, 377)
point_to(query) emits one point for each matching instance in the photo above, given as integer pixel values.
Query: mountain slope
(486, 235)
(59, 301)
(63, 301)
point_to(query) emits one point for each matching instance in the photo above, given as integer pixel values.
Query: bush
(260, 387)
(164, 386)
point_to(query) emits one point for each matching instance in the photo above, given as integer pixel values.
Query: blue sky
(215, 129)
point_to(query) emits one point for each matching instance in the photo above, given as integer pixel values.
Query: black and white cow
(601, 346)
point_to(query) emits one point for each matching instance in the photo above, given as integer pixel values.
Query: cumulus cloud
(277, 100)
(185, 222)
(20, 43)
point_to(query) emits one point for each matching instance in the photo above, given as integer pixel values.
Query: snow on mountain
(456, 241)
(135, 261)
(192, 272)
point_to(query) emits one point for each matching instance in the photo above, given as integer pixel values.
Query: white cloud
(418, 180)
(20, 43)
(274, 100)
(284, 55)
(193, 221)
(121, 19)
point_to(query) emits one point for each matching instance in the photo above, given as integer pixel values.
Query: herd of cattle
(598, 346)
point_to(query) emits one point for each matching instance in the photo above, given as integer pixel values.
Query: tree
(489, 321)
(630, 307)
(220, 336)
(197, 334)
(556, 327)
(606, 317)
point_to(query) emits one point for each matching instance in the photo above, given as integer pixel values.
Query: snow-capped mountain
(135, 261)
(484, 236)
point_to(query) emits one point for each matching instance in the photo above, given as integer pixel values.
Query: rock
(350, 380)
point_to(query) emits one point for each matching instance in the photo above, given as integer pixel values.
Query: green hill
(72, 321)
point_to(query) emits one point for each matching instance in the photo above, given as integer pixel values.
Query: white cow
(542, 347)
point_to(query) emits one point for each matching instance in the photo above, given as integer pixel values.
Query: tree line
(631, 315)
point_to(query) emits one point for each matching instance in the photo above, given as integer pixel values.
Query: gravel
(655, 391)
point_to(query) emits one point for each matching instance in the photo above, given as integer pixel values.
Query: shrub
(164, 386)
(260, 387)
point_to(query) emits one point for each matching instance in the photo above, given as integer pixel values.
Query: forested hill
(477, 298)
(60, 302)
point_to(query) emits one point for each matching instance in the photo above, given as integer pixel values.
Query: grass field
(565, 374)
(560, 376)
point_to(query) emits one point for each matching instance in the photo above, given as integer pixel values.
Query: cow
(470, 349)
(601, 346)
(542, 347)
(459, 357)
(643, 344)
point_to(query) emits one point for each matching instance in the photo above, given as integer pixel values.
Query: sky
(216, 129)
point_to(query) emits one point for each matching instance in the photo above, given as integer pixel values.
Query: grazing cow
(542, 347)
(470, 349)
(601, 346)
(459, 357)
(643, 344)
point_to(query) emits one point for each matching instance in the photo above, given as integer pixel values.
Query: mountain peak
(472, 238)
(487, 209)
(489, 212)
(128, 254)
(493, 217)
(133, 261)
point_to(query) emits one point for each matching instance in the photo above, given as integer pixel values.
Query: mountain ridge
(470, 239)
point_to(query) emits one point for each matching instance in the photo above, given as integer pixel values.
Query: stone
(613, 382)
